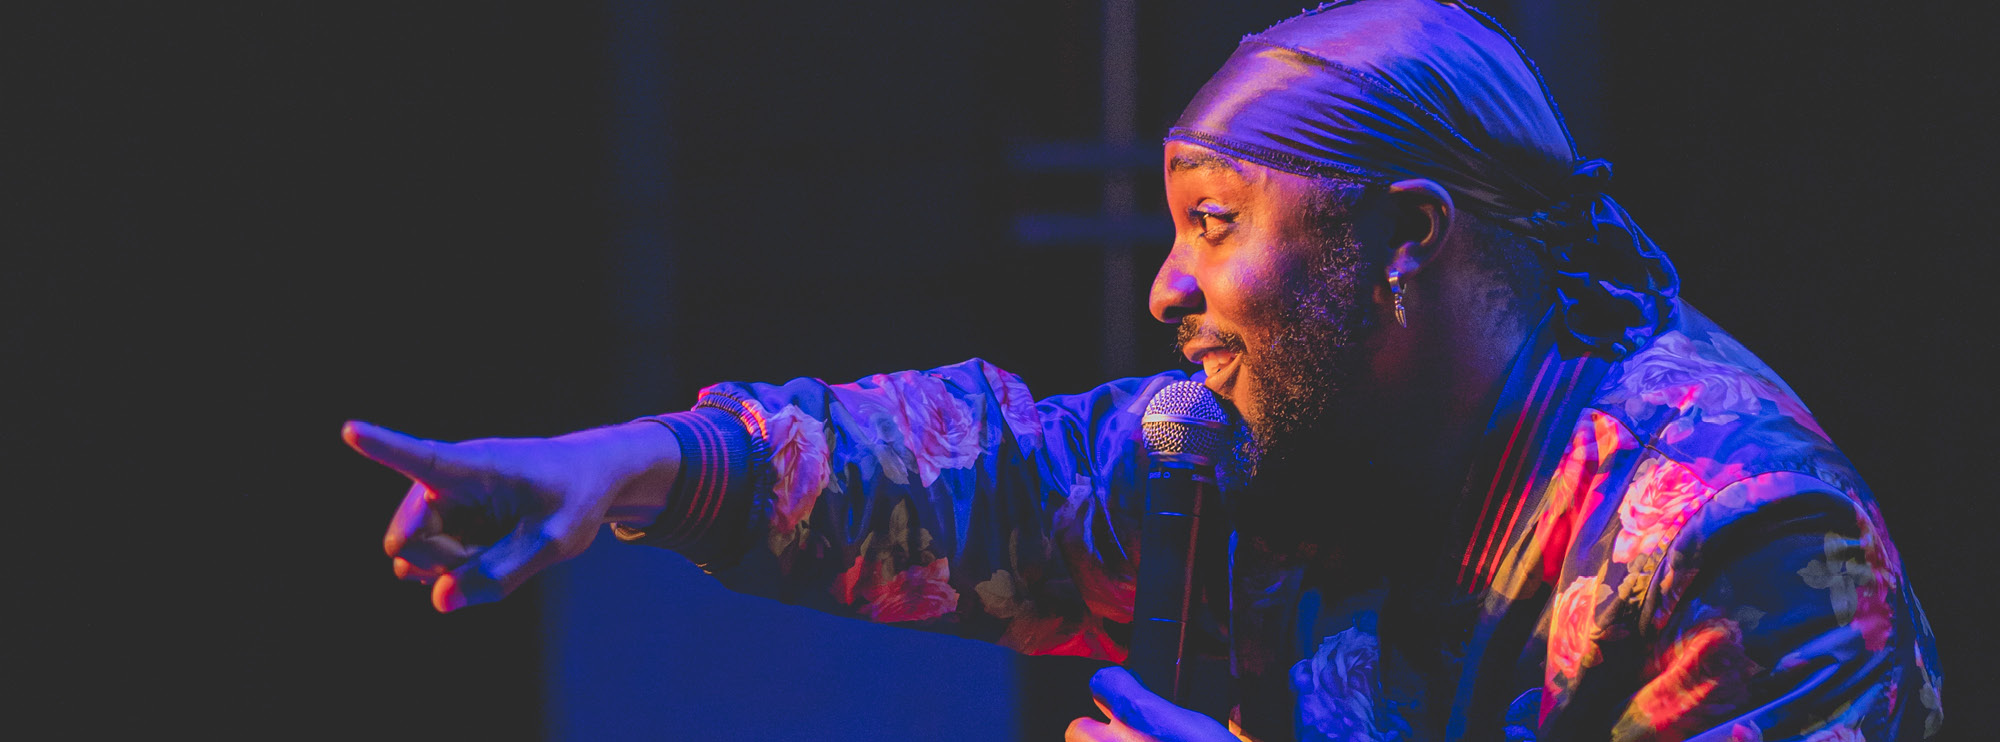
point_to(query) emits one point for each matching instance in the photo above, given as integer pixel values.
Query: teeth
(1216, 361)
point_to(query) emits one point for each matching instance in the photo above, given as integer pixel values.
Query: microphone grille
(1184, 419)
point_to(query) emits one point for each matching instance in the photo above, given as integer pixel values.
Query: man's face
(1271, 301)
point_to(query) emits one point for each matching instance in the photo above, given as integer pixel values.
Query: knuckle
(1096, 682)
(561, 540)
(478, 591)
(1081, 730)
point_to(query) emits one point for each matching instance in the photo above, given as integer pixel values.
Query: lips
(1214, 360)
(1220, 364)
(1218, 352)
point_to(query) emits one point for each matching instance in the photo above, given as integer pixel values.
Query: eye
(1209, 216)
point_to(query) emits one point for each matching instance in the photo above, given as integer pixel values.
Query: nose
(1175, 292)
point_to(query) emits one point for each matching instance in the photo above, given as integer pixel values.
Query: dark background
(232, 226)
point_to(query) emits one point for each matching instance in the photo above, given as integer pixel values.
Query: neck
(1431, 412)
(1406, 437)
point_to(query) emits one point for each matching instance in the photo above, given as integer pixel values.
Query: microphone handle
(1175, 495)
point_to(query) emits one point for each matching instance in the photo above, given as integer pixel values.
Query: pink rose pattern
(1042, 613)
(1576, 488)
(917, 423)
(1717, 438)
(801, 466)
(1573, 632)
(1837, 733)
(1687, 376)
(1032, 546)
(1336, 687)
(1087, 531)
(1017, 406)
(916, 594)
(1663, 495)
(888, 583)
(1711, 381)
(900, 495)
(1702, 679)
(1037, 624)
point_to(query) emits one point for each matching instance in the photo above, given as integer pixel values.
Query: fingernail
(446, 596)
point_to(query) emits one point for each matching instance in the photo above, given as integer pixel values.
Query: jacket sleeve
(1785, 615)
(946, 499)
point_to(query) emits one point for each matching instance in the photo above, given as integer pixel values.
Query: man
(1498, 481)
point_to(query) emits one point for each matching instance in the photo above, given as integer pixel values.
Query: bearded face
(1299, 341)
(1299, 353)
(1272, 284)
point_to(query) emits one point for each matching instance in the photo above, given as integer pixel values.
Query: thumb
(499, 569)
(422, 460)
(1121, 695)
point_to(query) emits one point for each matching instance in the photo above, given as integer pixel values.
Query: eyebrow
(1200, 161)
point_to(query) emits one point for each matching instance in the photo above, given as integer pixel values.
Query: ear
(1423, 217)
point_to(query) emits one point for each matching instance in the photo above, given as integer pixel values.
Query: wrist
(638, 462)
(708, 495)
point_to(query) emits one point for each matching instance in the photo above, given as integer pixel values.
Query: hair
(1513, 259)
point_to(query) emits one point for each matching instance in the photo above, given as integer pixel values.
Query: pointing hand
(483, 516)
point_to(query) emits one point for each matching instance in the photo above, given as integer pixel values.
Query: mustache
(1192, 329)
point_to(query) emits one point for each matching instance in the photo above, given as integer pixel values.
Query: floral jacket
(1660, 548)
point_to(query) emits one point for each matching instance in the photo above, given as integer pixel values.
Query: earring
(1396, 291)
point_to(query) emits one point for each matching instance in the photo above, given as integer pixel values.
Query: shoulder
(1699, 405)
(1719, 501)
(1695, 391)
(1693, 439)
(1724, 457)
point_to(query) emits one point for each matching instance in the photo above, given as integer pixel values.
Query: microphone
(1185, 435)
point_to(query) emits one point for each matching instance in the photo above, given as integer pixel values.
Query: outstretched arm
(948, 499)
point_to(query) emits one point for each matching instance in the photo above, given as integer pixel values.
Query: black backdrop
(231, 227)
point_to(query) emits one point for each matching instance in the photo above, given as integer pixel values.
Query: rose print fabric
(1673, 548)
(948, 500)
(1665, 547)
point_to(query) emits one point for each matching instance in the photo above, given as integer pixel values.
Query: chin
(1242, 395)
(1253, 417)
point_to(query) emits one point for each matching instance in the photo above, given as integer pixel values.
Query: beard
(1302, 470)
(1303, 349)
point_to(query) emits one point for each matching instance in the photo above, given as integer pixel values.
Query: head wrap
(1395, 89)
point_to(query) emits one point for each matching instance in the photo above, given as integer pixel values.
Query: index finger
(415, 457)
